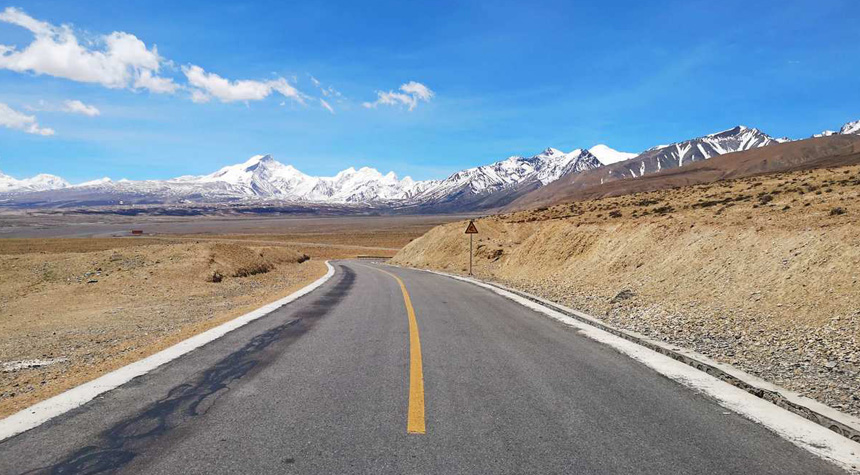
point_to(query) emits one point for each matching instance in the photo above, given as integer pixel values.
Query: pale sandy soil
(94, 311)
(762, 273)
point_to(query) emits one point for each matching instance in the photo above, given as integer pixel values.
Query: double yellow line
(415, 413)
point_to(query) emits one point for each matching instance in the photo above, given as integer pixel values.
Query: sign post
(471, 230)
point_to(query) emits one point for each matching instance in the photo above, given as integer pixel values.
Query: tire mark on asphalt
(126, 439)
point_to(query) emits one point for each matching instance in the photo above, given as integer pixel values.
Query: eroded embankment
(762, 273)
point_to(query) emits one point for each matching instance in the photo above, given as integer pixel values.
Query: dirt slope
(762, 272)
(804, 154)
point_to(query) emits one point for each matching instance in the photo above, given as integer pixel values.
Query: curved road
(330, 384)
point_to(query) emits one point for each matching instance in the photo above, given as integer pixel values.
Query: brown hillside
(819, 152)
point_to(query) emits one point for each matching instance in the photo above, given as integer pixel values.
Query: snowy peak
(678, 154)
(256, 166)
(553, 167)
(256, 161)
(736, 139)
(93, 183)
(550, 152)
(507, 174)
(850, 128)
(44, 181)
(262, 176)
(365, 185)
(734, 131)
(608, 155)
(41, 182)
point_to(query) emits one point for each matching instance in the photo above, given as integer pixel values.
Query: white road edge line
(46, 410)
(803, 433)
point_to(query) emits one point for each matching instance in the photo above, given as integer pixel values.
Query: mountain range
(262, 178)
(41, 182)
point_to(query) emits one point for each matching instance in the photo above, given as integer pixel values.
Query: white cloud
(117, 60)
(17, 17)
(161, 85)
(281, 86)
(418, 90)
(207, 85)
(199, 96)
(411, 93)
(78, 107)
(12, 119)
(121, 60)
(326, 105)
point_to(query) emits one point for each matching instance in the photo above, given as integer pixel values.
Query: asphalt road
(327, 384)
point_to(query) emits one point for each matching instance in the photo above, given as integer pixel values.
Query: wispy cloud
(329, 92)
(117, 60)
(410, 95)
(207, 85)
(77, 107)
(12, 119)
(326, 105)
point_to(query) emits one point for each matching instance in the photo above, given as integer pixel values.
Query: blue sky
(501, 78)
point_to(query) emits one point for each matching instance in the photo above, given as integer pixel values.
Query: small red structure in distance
(137, 232)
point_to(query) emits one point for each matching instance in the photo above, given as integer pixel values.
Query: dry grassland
(70, 315)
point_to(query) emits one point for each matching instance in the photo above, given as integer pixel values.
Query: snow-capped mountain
(545, 167)
(851, 128)
(661, 157)
(736, 139)
(503, 180)
(41, 182)
(608, 155)
(97, 182)
(489, 186)
(263, 177)
(661, 167)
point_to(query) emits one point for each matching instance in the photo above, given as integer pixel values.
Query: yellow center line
(415, 413)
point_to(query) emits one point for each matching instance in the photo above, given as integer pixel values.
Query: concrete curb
(843, 424)
(48, 409)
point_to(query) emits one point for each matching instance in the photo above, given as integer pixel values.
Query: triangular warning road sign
(471, 229)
